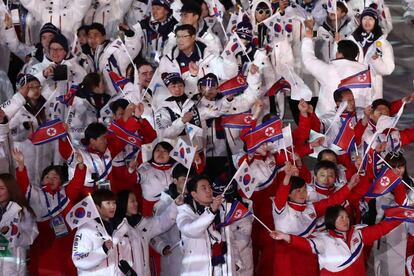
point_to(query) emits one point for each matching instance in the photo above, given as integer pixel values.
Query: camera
(60, 72)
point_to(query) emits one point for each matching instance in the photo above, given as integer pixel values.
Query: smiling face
(326, 177)
(145, 74)
(299, 195)
(57, 53)
(176, 89)
(52, 179)
(261, 15)
(342, 222)
(368, 23)
(203, 194)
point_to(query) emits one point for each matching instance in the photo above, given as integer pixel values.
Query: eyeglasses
(261, 11)
(183, 36)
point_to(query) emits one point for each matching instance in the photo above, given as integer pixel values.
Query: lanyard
(104, 174)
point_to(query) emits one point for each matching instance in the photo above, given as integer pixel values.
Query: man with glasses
(193, 59)
(57, 73)
(191, 14)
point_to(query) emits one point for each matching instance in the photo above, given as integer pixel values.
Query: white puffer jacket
(22, 231)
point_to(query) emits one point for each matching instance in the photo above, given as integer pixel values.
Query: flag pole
(242, 46)
(127, 53)
(343, 106)
(261, 222)
(228, 185)
(70, 143)
(366, 152)
(100, 219)
(386, 163)
(188, 172)
(48, 99)
(389, 130)
(145, 91)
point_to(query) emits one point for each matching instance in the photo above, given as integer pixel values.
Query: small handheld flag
(193, 130)
(401, 213)
(82, 213)
(280, 85)
(233, 86)
(237, 212)
(125, 135)
(48, 132)
(241, 120)
(183, 153)
(346, 135)
(386, 181)
(268, 131)
(331, 6)
(117, 81)
(245, 179)
(359, 80)
(68, 98)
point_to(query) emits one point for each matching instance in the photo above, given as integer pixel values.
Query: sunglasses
(262, 11)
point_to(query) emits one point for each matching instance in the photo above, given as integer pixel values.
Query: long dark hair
(397, 159)
(331, 214)
(13, 189)
(121, 205)
(89, 82)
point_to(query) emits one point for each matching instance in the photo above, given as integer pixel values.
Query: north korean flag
(346, 136)
(125, 135)
(233, 86)
(384, 183)
(68, 98)
(241, 120)
(48, 132)
(280, 85)
(117, 81)
(359, 80)
(269, 131)
(237, 212)
(401, 213)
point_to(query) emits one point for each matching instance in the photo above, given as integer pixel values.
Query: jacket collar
(297, 206)
(323, 190)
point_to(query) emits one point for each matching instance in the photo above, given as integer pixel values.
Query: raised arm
(282, 192)
(337, 198)
(21, 172)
